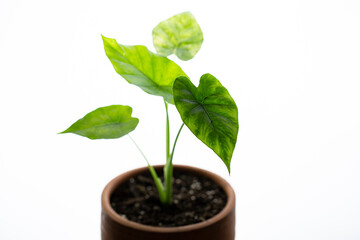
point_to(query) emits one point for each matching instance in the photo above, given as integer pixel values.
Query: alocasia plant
(207, 110)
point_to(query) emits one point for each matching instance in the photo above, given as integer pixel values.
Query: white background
(291, 66)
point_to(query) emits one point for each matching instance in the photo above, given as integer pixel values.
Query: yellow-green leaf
(151, 72)
(180, 35)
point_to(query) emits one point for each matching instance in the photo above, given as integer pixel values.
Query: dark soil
(195, 199)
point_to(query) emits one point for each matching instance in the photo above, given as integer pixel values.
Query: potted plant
(169, 201)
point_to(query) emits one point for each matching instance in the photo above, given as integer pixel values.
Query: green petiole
(168, 167)
(157, 180)
(165, 190)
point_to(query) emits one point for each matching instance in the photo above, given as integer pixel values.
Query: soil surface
(195, 199)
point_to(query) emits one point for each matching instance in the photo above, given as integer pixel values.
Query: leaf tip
(228, 167)
(104, 38)
(65, 131)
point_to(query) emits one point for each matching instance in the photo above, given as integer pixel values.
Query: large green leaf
(180, 34)
(151, 72)
(109, 122)
(209, 112)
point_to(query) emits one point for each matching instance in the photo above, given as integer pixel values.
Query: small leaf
(109, 122)
(210, 113)
(151, 72)
(180, 34)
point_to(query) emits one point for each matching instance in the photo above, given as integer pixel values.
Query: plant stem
(165, 190)
(168, 170)
(167, 133)
(168, 167)
(173, 150)
(157, 180)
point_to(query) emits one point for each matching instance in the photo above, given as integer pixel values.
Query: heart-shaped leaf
(180, 34)
(151, 72)
(105, 123)
(209, 112)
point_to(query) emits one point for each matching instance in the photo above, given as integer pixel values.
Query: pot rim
(113, 184)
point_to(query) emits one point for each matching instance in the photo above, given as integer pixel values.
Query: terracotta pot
(219, 227)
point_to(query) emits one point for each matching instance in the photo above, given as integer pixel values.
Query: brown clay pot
(220, 227)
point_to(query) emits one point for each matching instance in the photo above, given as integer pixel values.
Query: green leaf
(151, 72)
(209, 112)
(180, 34)
(108, 122)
